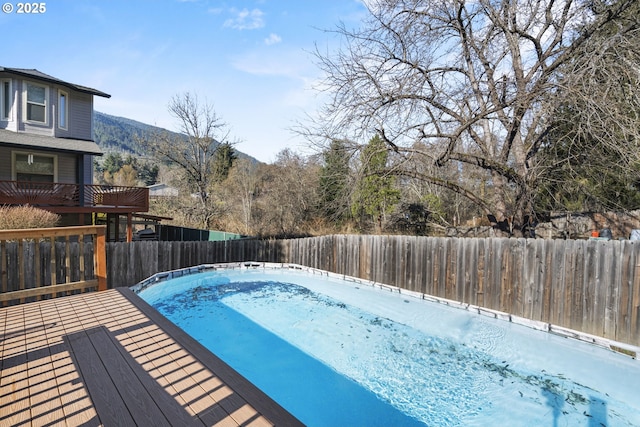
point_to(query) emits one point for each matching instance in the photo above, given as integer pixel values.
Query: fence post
(101, 258)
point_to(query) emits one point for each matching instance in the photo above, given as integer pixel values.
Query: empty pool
(343, 352)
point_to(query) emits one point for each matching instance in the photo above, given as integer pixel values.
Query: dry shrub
(16, 217)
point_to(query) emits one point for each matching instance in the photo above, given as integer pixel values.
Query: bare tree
(194, 152)
(591, 159)
(459, 82)
(288, 198)
(241, 187)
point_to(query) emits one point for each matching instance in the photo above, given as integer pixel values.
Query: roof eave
(42, 77)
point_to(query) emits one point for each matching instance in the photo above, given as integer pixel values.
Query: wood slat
(45, 233)
(48, 290)
(76, 403)
(4, 279)
(67, 259)
(44, 398)
(14, 381)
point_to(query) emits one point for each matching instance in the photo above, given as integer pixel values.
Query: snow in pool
(333, 351)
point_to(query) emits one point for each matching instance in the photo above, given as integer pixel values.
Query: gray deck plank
(172, 411)
(143, 409)
(244, 389)
(102, 391)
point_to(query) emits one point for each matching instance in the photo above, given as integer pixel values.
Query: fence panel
(50, 262)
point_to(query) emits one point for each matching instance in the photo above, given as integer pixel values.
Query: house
(47, 149)
(162, 190)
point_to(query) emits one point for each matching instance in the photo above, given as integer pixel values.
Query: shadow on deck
(109, 359)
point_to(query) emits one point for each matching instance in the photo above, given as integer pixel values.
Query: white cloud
(290, 64)
(245, 19)
(272, 39)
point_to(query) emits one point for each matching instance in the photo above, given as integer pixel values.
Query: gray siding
(80, 115)
(67, 165)
(79, 109)
(67, 168)
(5, 164)
(88, 169)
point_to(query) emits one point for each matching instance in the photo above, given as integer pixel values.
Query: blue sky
(250, 59)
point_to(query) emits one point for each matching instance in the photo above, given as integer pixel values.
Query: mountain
(113, 133)
(120, 134)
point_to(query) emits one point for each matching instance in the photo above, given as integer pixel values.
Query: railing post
(129, 227)
(101, 258)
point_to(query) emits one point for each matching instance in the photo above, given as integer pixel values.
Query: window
(34, 167)
(62, 109)
(36, 100)
(6, 99)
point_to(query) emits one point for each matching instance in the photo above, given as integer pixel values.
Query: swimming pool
(337, 352)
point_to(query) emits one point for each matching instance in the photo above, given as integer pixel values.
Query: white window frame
(45, 105)
(63, 110)
(14, 172)
(5, 114)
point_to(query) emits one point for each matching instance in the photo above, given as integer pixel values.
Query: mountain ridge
(115, 133)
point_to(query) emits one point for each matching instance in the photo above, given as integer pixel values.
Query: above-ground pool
(347, 353)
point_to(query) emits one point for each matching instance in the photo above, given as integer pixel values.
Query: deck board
(103, 392)
(108, 358)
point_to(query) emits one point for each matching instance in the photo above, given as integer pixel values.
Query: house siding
(88, 169)
(67, 169)
(80, 115)
(67, 164)
(12, 123)
(79, 110)
(5, 164)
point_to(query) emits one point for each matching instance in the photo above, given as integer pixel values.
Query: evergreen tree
(334, 175)
(112, 163)
(375, 193)
(148, 173)
(223, 162)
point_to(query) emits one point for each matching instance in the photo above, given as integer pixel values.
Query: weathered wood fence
(589, 285)
(49, 262)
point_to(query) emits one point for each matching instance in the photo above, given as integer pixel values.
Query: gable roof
(39, 75)
(21, 139)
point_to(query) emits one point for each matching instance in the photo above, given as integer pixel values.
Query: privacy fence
(51, 262)
(589, 285)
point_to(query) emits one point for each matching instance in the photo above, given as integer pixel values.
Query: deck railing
(49, 262)
(54, 194)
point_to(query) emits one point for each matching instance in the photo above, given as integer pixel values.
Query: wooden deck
(107, 358)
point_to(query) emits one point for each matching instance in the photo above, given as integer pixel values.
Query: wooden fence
(49, 262)
(591, 286)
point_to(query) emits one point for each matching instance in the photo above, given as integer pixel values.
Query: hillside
(120, 134)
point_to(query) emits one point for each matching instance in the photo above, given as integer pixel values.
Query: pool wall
(619, 347)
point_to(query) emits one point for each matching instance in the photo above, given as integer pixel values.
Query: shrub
(14, 217)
